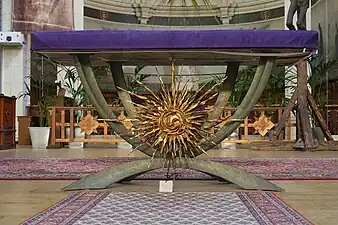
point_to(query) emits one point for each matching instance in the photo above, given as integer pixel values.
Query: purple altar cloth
(105, 40)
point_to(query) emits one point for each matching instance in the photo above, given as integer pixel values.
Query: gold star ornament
(88, 124)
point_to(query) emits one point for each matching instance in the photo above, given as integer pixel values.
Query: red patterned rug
(231, 208)
(75, 168)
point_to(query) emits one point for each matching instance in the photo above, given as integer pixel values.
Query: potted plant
(41, 86)
(319, 68)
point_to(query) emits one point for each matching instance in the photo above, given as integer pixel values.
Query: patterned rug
(75, 168)
(231, 208)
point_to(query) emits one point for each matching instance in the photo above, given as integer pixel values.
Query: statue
(299, 6)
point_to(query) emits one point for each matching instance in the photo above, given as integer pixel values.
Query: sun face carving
(172, 122)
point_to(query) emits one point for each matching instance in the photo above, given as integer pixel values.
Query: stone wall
(325, 21)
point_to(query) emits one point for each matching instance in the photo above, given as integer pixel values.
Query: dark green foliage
(41, 86)
(75, 88)
(132, 81)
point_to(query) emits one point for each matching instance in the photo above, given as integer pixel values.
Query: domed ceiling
(184, 12)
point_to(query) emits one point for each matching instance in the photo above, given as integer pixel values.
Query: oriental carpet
(76, 168)
(121, 208)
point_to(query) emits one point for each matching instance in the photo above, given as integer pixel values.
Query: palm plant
(43, 103)
(283, 79)
(74, 87)
(276, 86)
(75, 90)
(132, 83)
(243, 81)
(133, 80)
(319, 67)
(209, 82)
(40, 85)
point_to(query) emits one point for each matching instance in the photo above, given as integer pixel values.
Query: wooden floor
(317, 200)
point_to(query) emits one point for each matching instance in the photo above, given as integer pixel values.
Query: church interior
(169, 112)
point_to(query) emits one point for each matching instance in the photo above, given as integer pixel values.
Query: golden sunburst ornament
(172, 121)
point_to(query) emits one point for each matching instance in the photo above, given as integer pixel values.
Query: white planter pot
(77, 134)
(78, 145)
(230, 145)
(225, 145)
(39, 137)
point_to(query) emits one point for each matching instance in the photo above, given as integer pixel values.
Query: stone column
(14, 66)
(142, 11)
(78, 25)
(78, 14)
(227, 11)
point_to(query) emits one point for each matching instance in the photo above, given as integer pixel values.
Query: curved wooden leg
(120, 82)
(88, 73)
(225, 90)
(87, 77)
(87, 88)
(255, 91)
(114, 174)
(127, 171)
(128, 179)
(241, 178)
(216, 177)
(89, 83)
